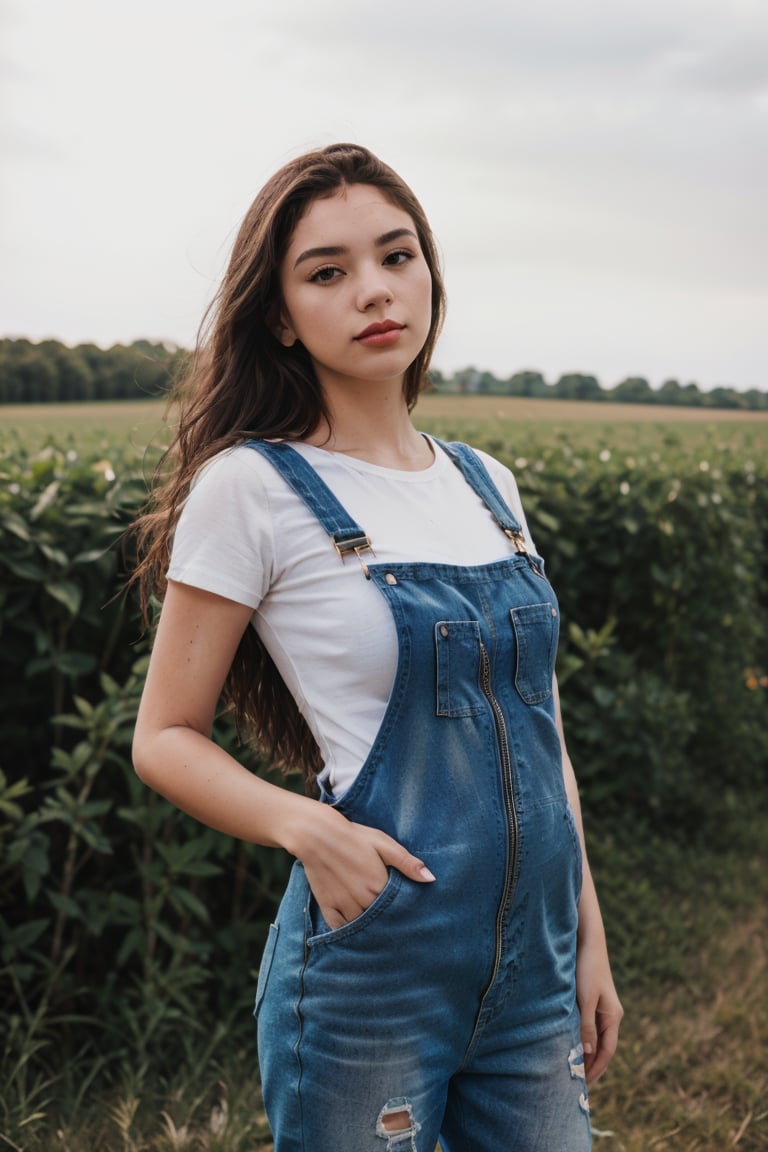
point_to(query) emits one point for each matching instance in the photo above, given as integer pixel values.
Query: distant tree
(155, 365)
(691, 394)
(9, 384)
(527, 383)
(50, 371)
(95, 369)
(73, 376)
(491, 385)
(468, 380)
(446, 384)
(755, 400)
(632, 390)
(577, 386)
(121, 373)
(720, 398)
(32, 376)
(670, 392)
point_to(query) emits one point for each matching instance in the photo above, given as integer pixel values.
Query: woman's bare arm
(173, 752)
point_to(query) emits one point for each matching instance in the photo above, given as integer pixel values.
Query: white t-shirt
(244, 534)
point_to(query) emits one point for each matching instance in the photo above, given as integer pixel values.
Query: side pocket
(571, 821)
(265, 966)
(536, 632)
(322, 934)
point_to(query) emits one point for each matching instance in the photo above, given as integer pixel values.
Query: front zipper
(502, 740)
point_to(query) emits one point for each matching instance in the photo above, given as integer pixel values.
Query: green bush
(116, 910)
(659, 562)
(126, 927)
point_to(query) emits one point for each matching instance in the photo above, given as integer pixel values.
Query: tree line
(53, 373)
(50, 372)
(580, 386)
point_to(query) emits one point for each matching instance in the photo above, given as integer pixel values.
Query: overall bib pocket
(536, 631)
(457, 649)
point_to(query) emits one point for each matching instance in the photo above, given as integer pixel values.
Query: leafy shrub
(659, 562)
(126, 927)
(116, 910)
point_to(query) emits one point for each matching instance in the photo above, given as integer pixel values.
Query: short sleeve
(223, 541)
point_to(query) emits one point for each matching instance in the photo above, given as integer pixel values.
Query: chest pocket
(536, 631)
(457, 647)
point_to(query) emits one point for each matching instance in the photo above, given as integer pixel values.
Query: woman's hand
(347, 864)
(599, 1004)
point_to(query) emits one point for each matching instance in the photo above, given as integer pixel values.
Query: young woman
(370, 601)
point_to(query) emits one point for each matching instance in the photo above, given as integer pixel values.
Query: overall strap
(346, 534)
(477, 476)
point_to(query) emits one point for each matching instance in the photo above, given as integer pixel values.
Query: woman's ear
(283, 332)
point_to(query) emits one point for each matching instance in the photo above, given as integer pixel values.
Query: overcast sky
(596, 171)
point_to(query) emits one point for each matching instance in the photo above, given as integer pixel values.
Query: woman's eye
(325, 275)
(399, 257)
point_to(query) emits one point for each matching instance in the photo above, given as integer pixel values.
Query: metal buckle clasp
(517, 538)
(356, 544)
(521, 547)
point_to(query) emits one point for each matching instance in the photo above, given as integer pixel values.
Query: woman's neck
(375, 427)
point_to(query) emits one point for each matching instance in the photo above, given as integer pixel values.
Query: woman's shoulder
(232, 464)
(224, 539)
(233, 485)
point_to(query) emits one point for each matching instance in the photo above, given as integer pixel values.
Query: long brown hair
(241, 382)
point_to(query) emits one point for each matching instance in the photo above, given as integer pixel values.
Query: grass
(690, 1073)
(687, 926)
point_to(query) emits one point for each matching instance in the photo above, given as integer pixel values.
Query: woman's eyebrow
(340, 250)
(311, 253)
(395, 234)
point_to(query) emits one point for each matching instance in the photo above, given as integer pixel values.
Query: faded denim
(446, 1010)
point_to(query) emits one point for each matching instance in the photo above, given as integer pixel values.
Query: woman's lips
(380, 335)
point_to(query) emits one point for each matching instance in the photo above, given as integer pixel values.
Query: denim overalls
(445, 1010)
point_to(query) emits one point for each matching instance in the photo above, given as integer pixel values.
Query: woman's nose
(373, 290)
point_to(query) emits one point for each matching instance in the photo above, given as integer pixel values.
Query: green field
(687, 921)
(514, 421)
(87, 426)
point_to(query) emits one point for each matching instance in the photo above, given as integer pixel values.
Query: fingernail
(587, 1049)
(426, 874)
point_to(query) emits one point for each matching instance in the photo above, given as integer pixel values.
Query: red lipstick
(381, 335)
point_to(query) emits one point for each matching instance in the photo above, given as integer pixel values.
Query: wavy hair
(241, 382)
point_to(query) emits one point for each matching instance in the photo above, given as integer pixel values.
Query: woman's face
(357, 291)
